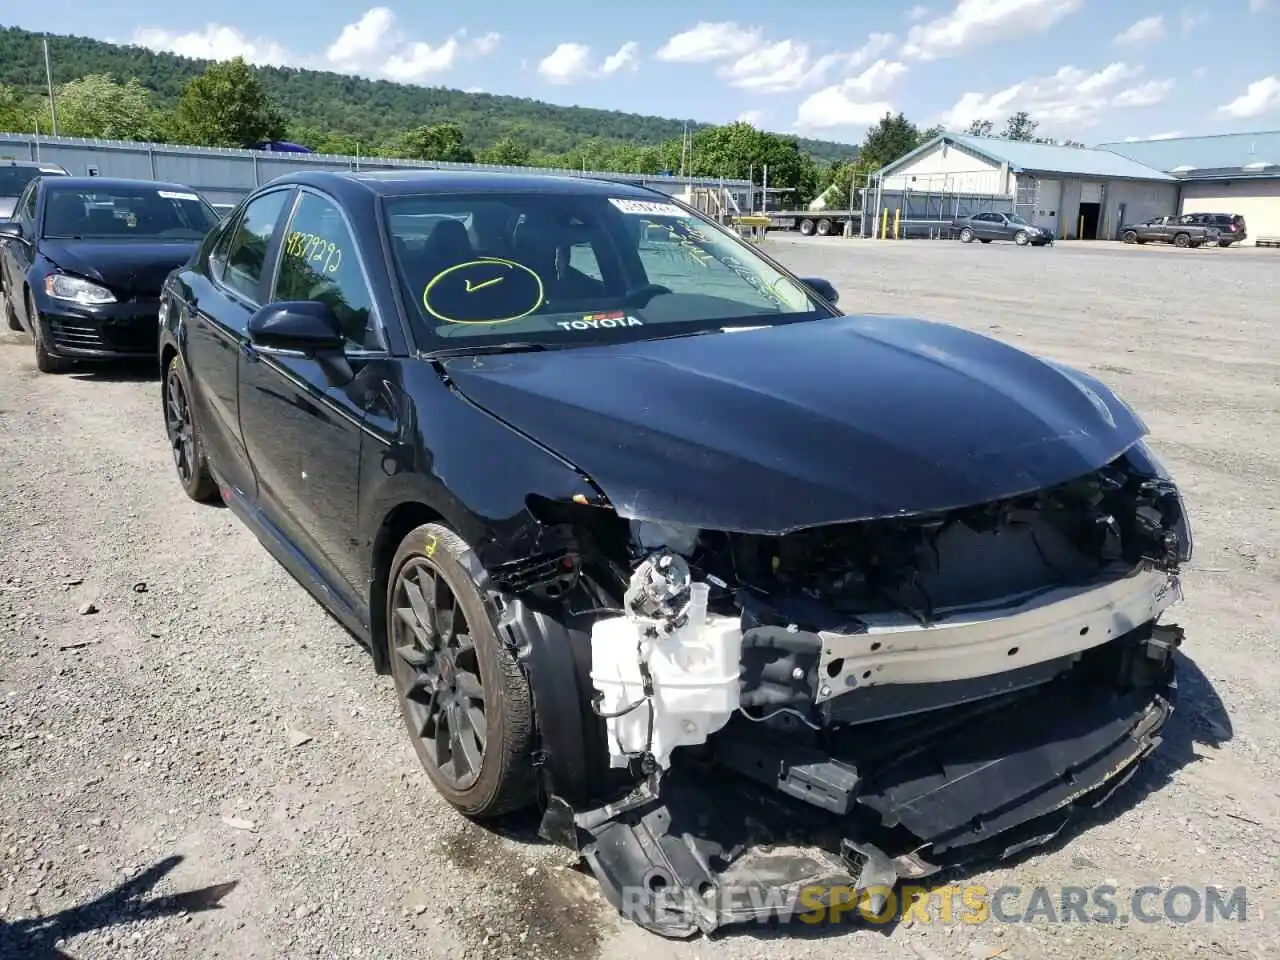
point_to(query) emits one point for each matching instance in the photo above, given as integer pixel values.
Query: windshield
(558, 268)
(13, 180)
(127, 213)
(1016, 218)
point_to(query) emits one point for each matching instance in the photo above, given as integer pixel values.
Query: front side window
(318, 261)
(562, 268)
(126, 213)
(246, 252)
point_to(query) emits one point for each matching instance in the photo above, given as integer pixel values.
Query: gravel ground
(196, 762)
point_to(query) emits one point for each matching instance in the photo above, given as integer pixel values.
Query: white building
(1230, 173)
(1077, 192)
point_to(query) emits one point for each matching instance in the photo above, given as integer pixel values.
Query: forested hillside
(332, 109)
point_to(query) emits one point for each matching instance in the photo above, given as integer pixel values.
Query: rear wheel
(807, 227)
(1130, 236)
(1182, 240)
(45, 361)
(462, 694)
(824, 227)
(966, 235)
(1224, 243)
(188, 452)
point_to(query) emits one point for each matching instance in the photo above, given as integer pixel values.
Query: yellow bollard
(1080, 229)
(897, 223)
(884, 224)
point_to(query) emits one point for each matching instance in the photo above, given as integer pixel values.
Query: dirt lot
(196, 762)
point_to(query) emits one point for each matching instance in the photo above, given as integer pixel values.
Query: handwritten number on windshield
(323, 255)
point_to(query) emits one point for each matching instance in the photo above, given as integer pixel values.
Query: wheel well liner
(394, 528)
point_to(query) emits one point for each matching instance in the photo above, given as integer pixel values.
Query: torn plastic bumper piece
(703, 851)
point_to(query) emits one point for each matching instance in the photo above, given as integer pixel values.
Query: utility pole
(48, 75)
(764, 190)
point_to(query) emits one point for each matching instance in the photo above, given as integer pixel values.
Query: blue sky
(1091, 70)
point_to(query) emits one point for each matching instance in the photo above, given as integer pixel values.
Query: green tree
(507, 152)
(935, 131)
(1020, 126)
(226, 107)
(439, 141)
(893, 137)
(847, 179)
(740, 151)
(14, 115)
(981, 128)
(98, 106)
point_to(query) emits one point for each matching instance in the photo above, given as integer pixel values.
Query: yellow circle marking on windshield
(470, 287)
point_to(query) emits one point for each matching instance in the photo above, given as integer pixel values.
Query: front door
(218, 307)
(18, 254)
(304, 427)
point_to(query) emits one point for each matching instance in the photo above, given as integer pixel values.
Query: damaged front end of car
(844, 706)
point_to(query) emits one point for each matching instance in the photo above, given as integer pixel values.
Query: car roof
(41, 164)
(107, 183)
(410, 182)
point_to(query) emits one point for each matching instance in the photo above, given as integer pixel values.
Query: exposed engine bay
(917, 689)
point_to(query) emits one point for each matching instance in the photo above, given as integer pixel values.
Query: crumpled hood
(130, 267)
(830, 421)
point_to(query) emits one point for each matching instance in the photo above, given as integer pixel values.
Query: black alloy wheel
(435, 660)
(463, 697)
(188, 457)
(45, 361)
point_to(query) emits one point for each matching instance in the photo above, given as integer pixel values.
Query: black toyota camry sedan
(654, 539)
(83, 261)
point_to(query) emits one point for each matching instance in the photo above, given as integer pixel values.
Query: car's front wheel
(462, 694)
(1130, 236)
(184, 440)
(45, 361)
(1182, 240)
(966, 235)
(1021, 238)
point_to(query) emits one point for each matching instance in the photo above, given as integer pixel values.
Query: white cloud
(1144, 95)
(1071, 98)
(572, 63)
(857, 102)
(705, 42)
(1257, 6)
(1146, 30)
(627, 57)
(973, 23)
(359, 46)
(753, 117)
(778, 67)
(420, 60)
(1172, 135)
(1261, 96)
(214, 42)
(917, 13)
(877, 43)
(374, 46)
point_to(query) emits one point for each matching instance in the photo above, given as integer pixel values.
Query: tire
(458, 671)
(1021, 238)
(45, 361)
(1182, 240)
(985, 240)
(1130, 236)
(10, 316)
(1224, 243)
(824, 227)
(184, 438)
(966, 235)
(807, 228)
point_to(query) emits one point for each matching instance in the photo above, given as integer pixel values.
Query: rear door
(302, 429)
(217, 330)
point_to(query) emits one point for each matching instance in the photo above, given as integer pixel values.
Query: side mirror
(305, 326)
(822, 288)
(10, 230)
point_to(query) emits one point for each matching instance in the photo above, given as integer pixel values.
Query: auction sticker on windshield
(170, 195)
(653, 208)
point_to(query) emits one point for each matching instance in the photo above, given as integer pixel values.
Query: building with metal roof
(1077, 192)
(1233, 173)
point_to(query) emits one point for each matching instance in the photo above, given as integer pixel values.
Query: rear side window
(246, 254)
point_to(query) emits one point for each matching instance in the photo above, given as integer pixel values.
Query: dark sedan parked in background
(1001, 226)
(84, 259)
(14, 177)
(650, 535)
